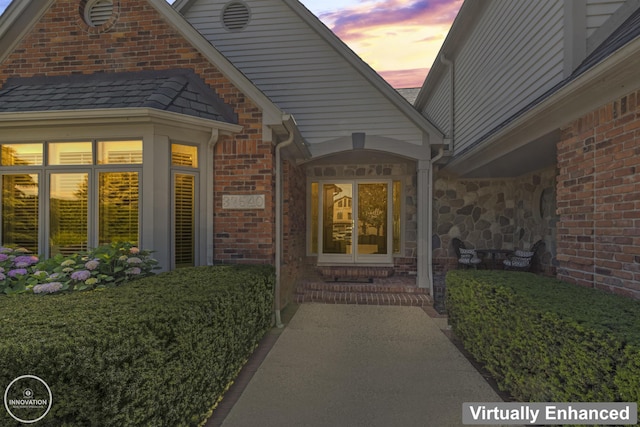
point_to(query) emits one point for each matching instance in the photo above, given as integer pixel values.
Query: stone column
(424, 220)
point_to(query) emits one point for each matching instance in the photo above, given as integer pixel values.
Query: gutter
(286, 119)
(452, 103)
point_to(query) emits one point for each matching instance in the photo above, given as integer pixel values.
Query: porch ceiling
(508, 160)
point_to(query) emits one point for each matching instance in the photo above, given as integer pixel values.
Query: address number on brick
(243, 202)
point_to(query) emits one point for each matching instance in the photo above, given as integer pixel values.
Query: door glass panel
(314, 218)
(337, 220)
(118, 205)
(68, 213)
(397, 202)
(20, 211)
(372, 218)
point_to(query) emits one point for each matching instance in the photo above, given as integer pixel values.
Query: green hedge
(545, 340)
(159, 351)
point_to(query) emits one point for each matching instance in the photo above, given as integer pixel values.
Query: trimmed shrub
(159, 351)
(545, 340)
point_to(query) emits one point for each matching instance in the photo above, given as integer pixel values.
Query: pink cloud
(405, 78)
(348, 24)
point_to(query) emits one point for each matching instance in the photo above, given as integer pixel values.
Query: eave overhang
(612, 78)
(113, 116)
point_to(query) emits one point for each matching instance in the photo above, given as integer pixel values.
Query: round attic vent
(98, 12)
(235, 16)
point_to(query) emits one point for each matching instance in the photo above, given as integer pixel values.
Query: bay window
(66, 197)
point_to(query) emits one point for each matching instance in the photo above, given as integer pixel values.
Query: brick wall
(598, 198)
(294, 229)
(139, 39)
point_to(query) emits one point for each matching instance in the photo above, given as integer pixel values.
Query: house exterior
(539, 103)
(209, 132)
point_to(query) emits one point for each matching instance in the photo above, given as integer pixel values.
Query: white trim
(113, 115)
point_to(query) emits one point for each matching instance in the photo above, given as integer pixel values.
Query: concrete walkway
(355, 365)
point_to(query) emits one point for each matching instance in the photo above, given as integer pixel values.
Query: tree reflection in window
(20, 199)
(68, 213)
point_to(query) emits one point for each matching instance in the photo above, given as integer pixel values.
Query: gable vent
(98, 12)
(235, 16)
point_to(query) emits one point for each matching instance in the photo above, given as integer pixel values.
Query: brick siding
(140, 39)
(294, 229)
(598, 198)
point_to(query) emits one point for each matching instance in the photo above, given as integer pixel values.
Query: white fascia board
(112, 116)
(613, 77)
(367, 72)
(21, 13)
(271, 113)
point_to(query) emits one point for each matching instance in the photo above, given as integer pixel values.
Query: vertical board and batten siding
(599, 11)
(300, 72)
(511, 57)
(438, 106)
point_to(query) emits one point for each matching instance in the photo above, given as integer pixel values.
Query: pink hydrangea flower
(81, 275)
(17, 272)
(134, 250)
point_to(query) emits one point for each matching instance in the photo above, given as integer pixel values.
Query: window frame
(93, 170)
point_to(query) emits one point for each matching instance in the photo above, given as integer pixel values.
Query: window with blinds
(68, 213)
(20, 213)
(118, 207)
(184, 155)
(184, 219)
(21, 154)
(79, 178)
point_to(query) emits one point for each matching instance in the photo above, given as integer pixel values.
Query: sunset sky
(398, 38)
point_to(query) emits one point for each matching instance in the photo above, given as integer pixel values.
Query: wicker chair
(523, 260)
(466, 257)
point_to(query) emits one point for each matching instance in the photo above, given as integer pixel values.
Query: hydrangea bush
(106, 266)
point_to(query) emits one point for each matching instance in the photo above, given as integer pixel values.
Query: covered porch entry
(362, 222)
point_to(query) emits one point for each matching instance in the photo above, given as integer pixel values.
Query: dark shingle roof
(626, 32)
(179, 91)
(410, 94)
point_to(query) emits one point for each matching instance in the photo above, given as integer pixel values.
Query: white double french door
(355, 222)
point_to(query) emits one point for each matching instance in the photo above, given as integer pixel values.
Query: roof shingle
(179, 91)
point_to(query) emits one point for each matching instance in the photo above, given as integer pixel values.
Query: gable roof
(372, 78)
(21, 15)
(179, 91)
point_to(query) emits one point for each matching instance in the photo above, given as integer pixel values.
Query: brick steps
(363, 294)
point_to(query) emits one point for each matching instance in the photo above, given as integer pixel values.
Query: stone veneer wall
(405, 262)
(494, 213)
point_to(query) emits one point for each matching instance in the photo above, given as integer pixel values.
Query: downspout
(449, 139)
(452, 101)
(279, 217)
